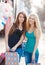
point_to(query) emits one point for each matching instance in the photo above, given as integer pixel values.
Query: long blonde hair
(36, 23)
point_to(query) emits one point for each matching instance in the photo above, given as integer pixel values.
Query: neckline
(30, 32)
(19, 29)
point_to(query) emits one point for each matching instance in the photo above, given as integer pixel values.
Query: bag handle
(11, 51)
(33, 62)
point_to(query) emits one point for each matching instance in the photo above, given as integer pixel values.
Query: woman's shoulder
(37, 32)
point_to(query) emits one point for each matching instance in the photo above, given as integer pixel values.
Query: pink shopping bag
(2, 59)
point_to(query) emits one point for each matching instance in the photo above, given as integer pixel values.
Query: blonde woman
(33, 32)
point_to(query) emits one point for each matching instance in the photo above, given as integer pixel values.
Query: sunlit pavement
(41, 48)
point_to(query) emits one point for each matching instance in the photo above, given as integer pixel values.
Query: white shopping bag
(22, 61)
(34, 63)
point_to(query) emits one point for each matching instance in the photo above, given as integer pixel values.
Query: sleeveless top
(31, 41)
(14, 38)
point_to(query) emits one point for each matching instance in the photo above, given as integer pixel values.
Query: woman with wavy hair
(16, 34)
(33, 32)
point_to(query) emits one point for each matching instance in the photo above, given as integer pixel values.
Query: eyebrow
(31, 17)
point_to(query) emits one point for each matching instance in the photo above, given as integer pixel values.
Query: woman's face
(31, 20)
(21, 18)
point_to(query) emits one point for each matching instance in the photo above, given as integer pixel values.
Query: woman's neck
(31, 29)
(20, 26)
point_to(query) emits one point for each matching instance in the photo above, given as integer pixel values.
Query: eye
(21, 17)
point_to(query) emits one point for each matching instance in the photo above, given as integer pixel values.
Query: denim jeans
(28, 56)
(19, 51)
(36, 56)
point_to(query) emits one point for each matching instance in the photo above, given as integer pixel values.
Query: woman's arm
(37, 34)
(25, 39)
(7, 29)
(19, 43)
(6, 41)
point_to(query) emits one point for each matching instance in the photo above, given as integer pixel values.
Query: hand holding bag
(34, 63)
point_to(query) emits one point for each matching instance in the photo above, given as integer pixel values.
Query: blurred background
(8, 12)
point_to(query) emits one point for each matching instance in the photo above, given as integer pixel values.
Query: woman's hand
(14, 48)
(33, 57)
(7, 48)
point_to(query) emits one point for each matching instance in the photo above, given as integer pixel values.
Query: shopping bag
(2, 59)
(34, 63)
(22, 61)
(12, 58)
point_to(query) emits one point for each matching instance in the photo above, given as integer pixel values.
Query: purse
(12, 58)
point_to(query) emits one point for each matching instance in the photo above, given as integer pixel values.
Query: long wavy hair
(16, 24)
(36, 22)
